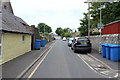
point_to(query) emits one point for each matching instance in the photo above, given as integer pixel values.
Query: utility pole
(100, 29)
(88, 18)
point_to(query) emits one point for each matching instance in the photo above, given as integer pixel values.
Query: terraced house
(15, 39)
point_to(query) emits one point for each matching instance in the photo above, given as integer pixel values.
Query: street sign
(100, 26)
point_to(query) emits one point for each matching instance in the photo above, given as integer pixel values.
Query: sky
(55, 13)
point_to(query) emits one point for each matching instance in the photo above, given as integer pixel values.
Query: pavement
(61, 62)
(14, 67)
(112, 64)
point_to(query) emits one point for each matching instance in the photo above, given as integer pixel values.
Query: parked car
(70, 42)
(64, 39)
(81, 44)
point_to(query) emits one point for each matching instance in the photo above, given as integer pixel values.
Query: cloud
(55, 13)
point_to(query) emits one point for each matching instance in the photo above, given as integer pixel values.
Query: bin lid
(114, 45)
(104, 44)
(38, 40)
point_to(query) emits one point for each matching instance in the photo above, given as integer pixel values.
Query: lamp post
(88, 18)
(100, 29)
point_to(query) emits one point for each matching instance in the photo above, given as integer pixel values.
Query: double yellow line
(32, 73)
(35, 61)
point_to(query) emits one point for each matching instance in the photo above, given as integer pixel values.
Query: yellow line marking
(39, 63)
(30, 65)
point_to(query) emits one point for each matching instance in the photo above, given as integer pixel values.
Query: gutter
(5, 31)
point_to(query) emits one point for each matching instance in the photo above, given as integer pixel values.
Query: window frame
(23, 39)
(1, 44)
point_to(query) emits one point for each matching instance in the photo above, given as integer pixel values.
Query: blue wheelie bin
(108, 51)
(104, 50)
(43, 43)
(37, 44)
(114, 52)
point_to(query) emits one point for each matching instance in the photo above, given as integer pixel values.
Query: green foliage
(59, 31)
(67, 34)
(67, 30)
(41, 33)
(84, 25)
(95, 33)
(45, 34)
(77, 36)
(44, 28)
(110, 12)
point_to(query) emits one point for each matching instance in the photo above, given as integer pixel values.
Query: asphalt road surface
(62, 62)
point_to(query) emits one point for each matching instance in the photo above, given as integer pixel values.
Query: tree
(67, 34)
(109, 10)
(44, 28)
(84, 25)
(67, 30)
(59, 31)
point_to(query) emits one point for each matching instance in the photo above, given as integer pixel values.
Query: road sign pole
(100, 29)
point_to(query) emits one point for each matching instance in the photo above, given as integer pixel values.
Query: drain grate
(102, 67)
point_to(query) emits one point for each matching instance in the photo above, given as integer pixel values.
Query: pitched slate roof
(12, 23)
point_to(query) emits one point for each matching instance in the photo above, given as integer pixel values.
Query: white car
(70, 42)
(64, 39)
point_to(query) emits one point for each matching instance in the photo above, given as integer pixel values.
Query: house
(15, 39)
(112, 28)
(35, 36)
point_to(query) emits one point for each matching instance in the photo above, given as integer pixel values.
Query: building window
(0, 43)
(0, 51)
(0, 37)
(23, 38)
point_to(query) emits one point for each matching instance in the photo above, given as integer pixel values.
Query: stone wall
(98, 40)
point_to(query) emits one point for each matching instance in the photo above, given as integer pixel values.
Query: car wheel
(75, 51)
(71, 48)
(89, 51)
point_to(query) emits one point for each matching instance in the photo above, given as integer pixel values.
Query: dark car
(81, 44)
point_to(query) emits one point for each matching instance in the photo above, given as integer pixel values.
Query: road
(62, 62)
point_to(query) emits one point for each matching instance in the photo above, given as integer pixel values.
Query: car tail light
(89, 39)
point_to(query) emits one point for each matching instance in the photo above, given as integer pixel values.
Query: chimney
(6, 5)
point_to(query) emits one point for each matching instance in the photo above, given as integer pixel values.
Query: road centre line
(24, 71)
(90, 66)
(40, 63)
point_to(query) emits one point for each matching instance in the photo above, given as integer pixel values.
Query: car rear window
(83, 40)
(71, 39)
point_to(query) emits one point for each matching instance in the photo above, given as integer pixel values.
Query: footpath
(113, 65)
(16, 66)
